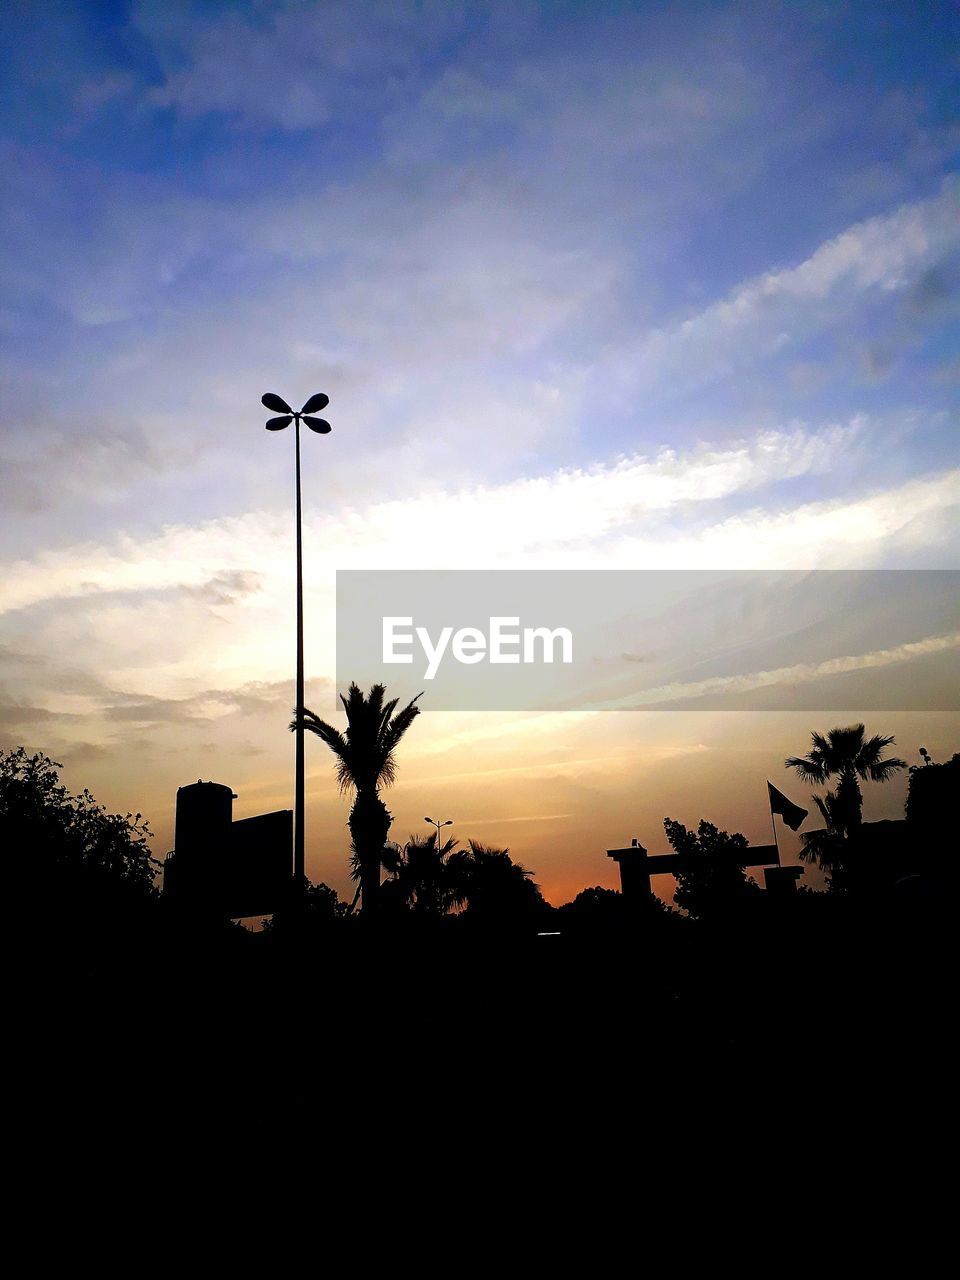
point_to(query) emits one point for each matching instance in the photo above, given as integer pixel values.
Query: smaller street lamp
(448, 822)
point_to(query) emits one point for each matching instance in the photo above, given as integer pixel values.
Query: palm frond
(809, 768)
(327, 733)
(375, 701)
(337, 743)
(352, 699)
(875, 746)
(846, 743)
(385, 714)
(387, 775)
(883, 769)
(392, 859)
(822, 848)
(400, 723)
(870, 762)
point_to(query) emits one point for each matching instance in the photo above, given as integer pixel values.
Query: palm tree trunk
(369, 826)
(851, 801)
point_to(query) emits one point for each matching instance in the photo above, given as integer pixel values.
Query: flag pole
(773, 823)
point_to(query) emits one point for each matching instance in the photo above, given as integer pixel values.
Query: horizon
(597, 287)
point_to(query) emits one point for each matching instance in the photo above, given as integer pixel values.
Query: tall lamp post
(280, 406)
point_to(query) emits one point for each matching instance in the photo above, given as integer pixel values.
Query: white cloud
(797, 674)
(153, 618)
(919, 516)
(565, 509)
(765, 315)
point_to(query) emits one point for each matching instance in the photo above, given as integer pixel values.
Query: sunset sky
(598, 285)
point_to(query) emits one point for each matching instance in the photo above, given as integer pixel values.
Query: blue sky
(588, 284)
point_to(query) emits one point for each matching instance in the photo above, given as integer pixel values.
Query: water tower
(204, 815)
(231, 868)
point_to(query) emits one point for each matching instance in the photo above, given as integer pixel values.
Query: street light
(439, 825)
(280, 406)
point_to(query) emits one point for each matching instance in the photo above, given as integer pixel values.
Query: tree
(421, 876)
(931, 812)
(68, 856)
(490, 885)
(848, 755)
(826, 847)
(317, 908)
(366, 763)
(932, 796)
(712, 875)
(594, 910)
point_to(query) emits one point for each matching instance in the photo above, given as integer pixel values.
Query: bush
(65, 852)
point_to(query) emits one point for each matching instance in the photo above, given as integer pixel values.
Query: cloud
(227, 588)
(533, 817)
(95, 92)
(577, 507)
(538, 256)
(478, 321)
(763, 317)
(294, 66)
(464, 340)
(141, 651)
(933, 289)
(870, 532)
(15, 715)
(800, 673)
(41, 466)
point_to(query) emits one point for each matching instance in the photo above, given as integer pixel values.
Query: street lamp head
(430, 820)
(279, 405)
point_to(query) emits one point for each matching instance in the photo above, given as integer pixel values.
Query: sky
(597, 285)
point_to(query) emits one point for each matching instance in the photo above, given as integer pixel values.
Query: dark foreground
(422, 1042)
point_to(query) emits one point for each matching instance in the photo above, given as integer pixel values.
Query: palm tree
(422, 875)
(365, 764)
(826, 846)
(490, 885)
(848, 755)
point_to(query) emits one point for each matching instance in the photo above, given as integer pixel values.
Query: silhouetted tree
(848, 755)
(931, 811)
(317, 907)
(365, 764)
(594, 909)
(826, 847)
(932, 793)
(713, 876)
(421, 876)
(489, 885)
(66, 854)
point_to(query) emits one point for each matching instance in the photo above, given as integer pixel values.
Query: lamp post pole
(299, 803)
(278, 405)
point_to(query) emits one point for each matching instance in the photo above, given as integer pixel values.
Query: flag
(791, 813)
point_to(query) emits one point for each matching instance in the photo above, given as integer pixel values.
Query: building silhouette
(637, 867)
(217, 865)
